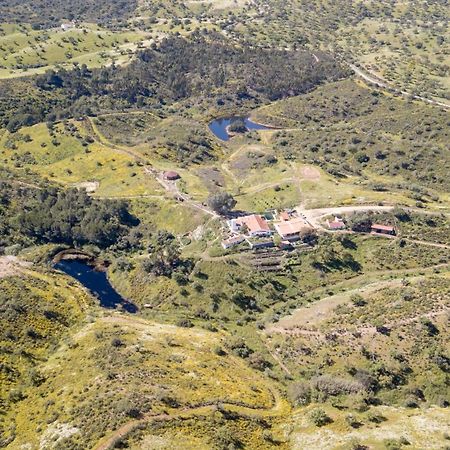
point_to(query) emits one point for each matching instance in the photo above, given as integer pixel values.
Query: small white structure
(233, 241)
(67, 26)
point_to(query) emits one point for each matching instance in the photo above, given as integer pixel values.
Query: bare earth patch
(89, 186)
(310, 173)
(11, 266)
(323, 309)
(219, 4)
(212, 178)
(55, 433)
(422, 428)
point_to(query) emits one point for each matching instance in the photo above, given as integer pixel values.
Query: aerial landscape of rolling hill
(224, 224)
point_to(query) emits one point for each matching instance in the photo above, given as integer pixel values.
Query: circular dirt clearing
(310, 173)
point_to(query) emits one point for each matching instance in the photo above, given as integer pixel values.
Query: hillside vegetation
(38, 311)
(131, 369)
(352, 341)
(110, 154)
(404, 42)
(202, 66)
(25, 51)
(47, 14)
(350, 130)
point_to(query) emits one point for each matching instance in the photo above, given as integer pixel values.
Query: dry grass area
(312, 315)
(420, 428)
(11, 266)
(219, 4)
(126, 363)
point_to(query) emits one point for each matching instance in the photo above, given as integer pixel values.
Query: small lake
(219, 126)
(97, 282)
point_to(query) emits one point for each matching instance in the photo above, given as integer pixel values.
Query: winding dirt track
(195, 411)
(310, 316)
(313, 216)
(374, 79)
(170, 187)
(278, 408)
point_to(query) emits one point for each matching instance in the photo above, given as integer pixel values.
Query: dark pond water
(97, 282)
(219, 126)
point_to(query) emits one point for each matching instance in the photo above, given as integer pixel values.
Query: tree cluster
(206, 65)
(62, 216)
(47, 13)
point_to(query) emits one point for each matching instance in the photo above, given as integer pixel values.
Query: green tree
(222, 203)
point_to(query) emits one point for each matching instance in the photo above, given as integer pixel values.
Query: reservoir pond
(97, 283)
(219, 127)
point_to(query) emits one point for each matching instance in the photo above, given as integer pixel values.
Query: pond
(219, 126)
(97, 282)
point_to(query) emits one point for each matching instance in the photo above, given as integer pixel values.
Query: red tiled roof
(284, 215)
(377, 226)
(291, 227)
(254, 223)
(336, 224)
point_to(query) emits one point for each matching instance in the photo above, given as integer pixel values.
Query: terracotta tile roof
(254, 223)
(290, 227)
(377, 226)
(336, 224)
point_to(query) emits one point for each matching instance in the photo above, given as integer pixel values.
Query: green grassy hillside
(383, 343)
(24, 51)
(39, 309)
(66, 153)
(340, 343)
(351, 130)
(130, 369)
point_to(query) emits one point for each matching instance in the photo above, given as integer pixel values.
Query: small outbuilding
(67, 26)
(336, 224)
(233, 241)
(171, 175)
(260, 243)
(383, 229)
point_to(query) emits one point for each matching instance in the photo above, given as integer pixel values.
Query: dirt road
(172, 188)
(279, 406)
(374, 79)
(322, 309)
(313, 216)
(311, 315)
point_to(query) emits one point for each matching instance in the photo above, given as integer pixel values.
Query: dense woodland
(67, 217)
(205, 65)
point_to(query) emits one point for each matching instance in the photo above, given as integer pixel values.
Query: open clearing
(25, 52)
(12, 266)
(323, 309)
(421, 428)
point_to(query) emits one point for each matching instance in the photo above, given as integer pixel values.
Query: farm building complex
(292, 229)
